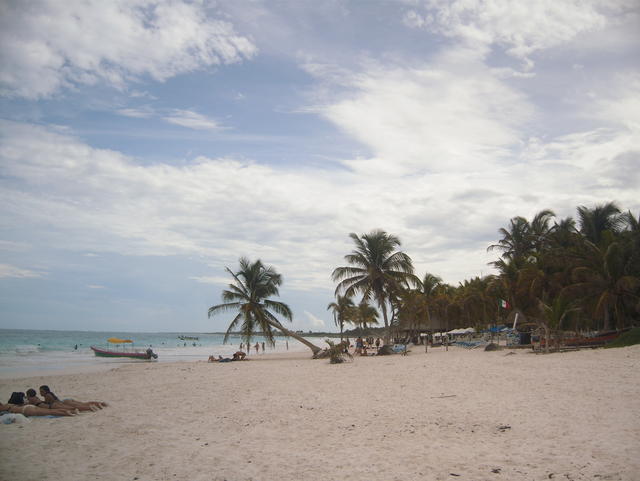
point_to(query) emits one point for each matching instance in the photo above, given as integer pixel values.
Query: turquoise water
(32, 352)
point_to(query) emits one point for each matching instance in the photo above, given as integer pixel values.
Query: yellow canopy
(115, 340)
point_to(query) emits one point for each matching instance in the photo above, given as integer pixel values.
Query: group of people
(256, 347)
(367, 343)
(237, 356)
(30, 404)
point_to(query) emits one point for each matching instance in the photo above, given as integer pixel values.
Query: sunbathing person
(16, 405)
(223, 359)
(239, 356)
(55, 402)
(32, 398)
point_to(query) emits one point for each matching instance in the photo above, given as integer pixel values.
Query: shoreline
(283, 415)
(114, 364)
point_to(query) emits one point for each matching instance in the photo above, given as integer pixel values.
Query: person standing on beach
(257, 346)
(262, 346)
(287, 343)
(359, 346)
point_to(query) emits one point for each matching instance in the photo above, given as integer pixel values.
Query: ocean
(33, 352)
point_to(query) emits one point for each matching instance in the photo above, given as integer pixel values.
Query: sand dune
(456, 415)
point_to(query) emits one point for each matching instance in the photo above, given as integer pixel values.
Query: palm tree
(249, 294)
(603, 280)
(552, 316)
(524, 239)
(603, 217)
(375, 270)
(342, 310)
(364, 315)
(515, 242)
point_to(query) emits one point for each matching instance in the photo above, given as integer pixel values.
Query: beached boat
(596, 340)
(188, 338)
(123, 348)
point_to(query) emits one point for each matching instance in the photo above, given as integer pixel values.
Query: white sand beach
(456, 415)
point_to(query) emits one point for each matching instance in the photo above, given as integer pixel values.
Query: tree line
(561, 274)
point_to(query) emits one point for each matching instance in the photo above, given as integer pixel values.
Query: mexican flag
(504, 304)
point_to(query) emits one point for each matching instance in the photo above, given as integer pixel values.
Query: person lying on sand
(55, 402)
(17, 405)
(220, 359)
(32, 398)
(237, 356)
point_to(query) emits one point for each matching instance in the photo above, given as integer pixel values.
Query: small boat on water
(123, 348)
(188, 338)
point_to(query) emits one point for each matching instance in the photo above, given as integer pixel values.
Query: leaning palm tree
(375, 270)
(342, 309)
(249, 294)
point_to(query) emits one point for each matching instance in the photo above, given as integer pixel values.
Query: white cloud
(9, 271)
(521, 28)
(59, 192)
(12, 246)
(191, 120)
(454, 112)
(141, 113)
(315, 322)
(212, 280)
(49, 45)
(95, 286)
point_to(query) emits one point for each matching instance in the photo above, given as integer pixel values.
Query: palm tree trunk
(387, 335)
(607, 319)
(383, 308)
(547, 337)
(315, 349)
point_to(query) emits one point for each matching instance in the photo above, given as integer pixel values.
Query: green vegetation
(376, 271)
(249, 294)
(556, 273)
(629, 338)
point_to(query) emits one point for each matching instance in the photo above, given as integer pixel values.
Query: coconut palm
(552, 315)
(375, 270)
(342, 310)
(515, 242)
(603, 280)
(523, 238)
(603, 217)
(253, 284)
(364, 315)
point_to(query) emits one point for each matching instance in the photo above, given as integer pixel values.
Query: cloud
(141, 113)
(49, 45)
(191, 120)
(521, 28)
(9, 271)
(212, 280)
(315, 322)
(450, 113)
(58, 192)
(95, 286)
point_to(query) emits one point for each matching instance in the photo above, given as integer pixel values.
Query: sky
(145, 145)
